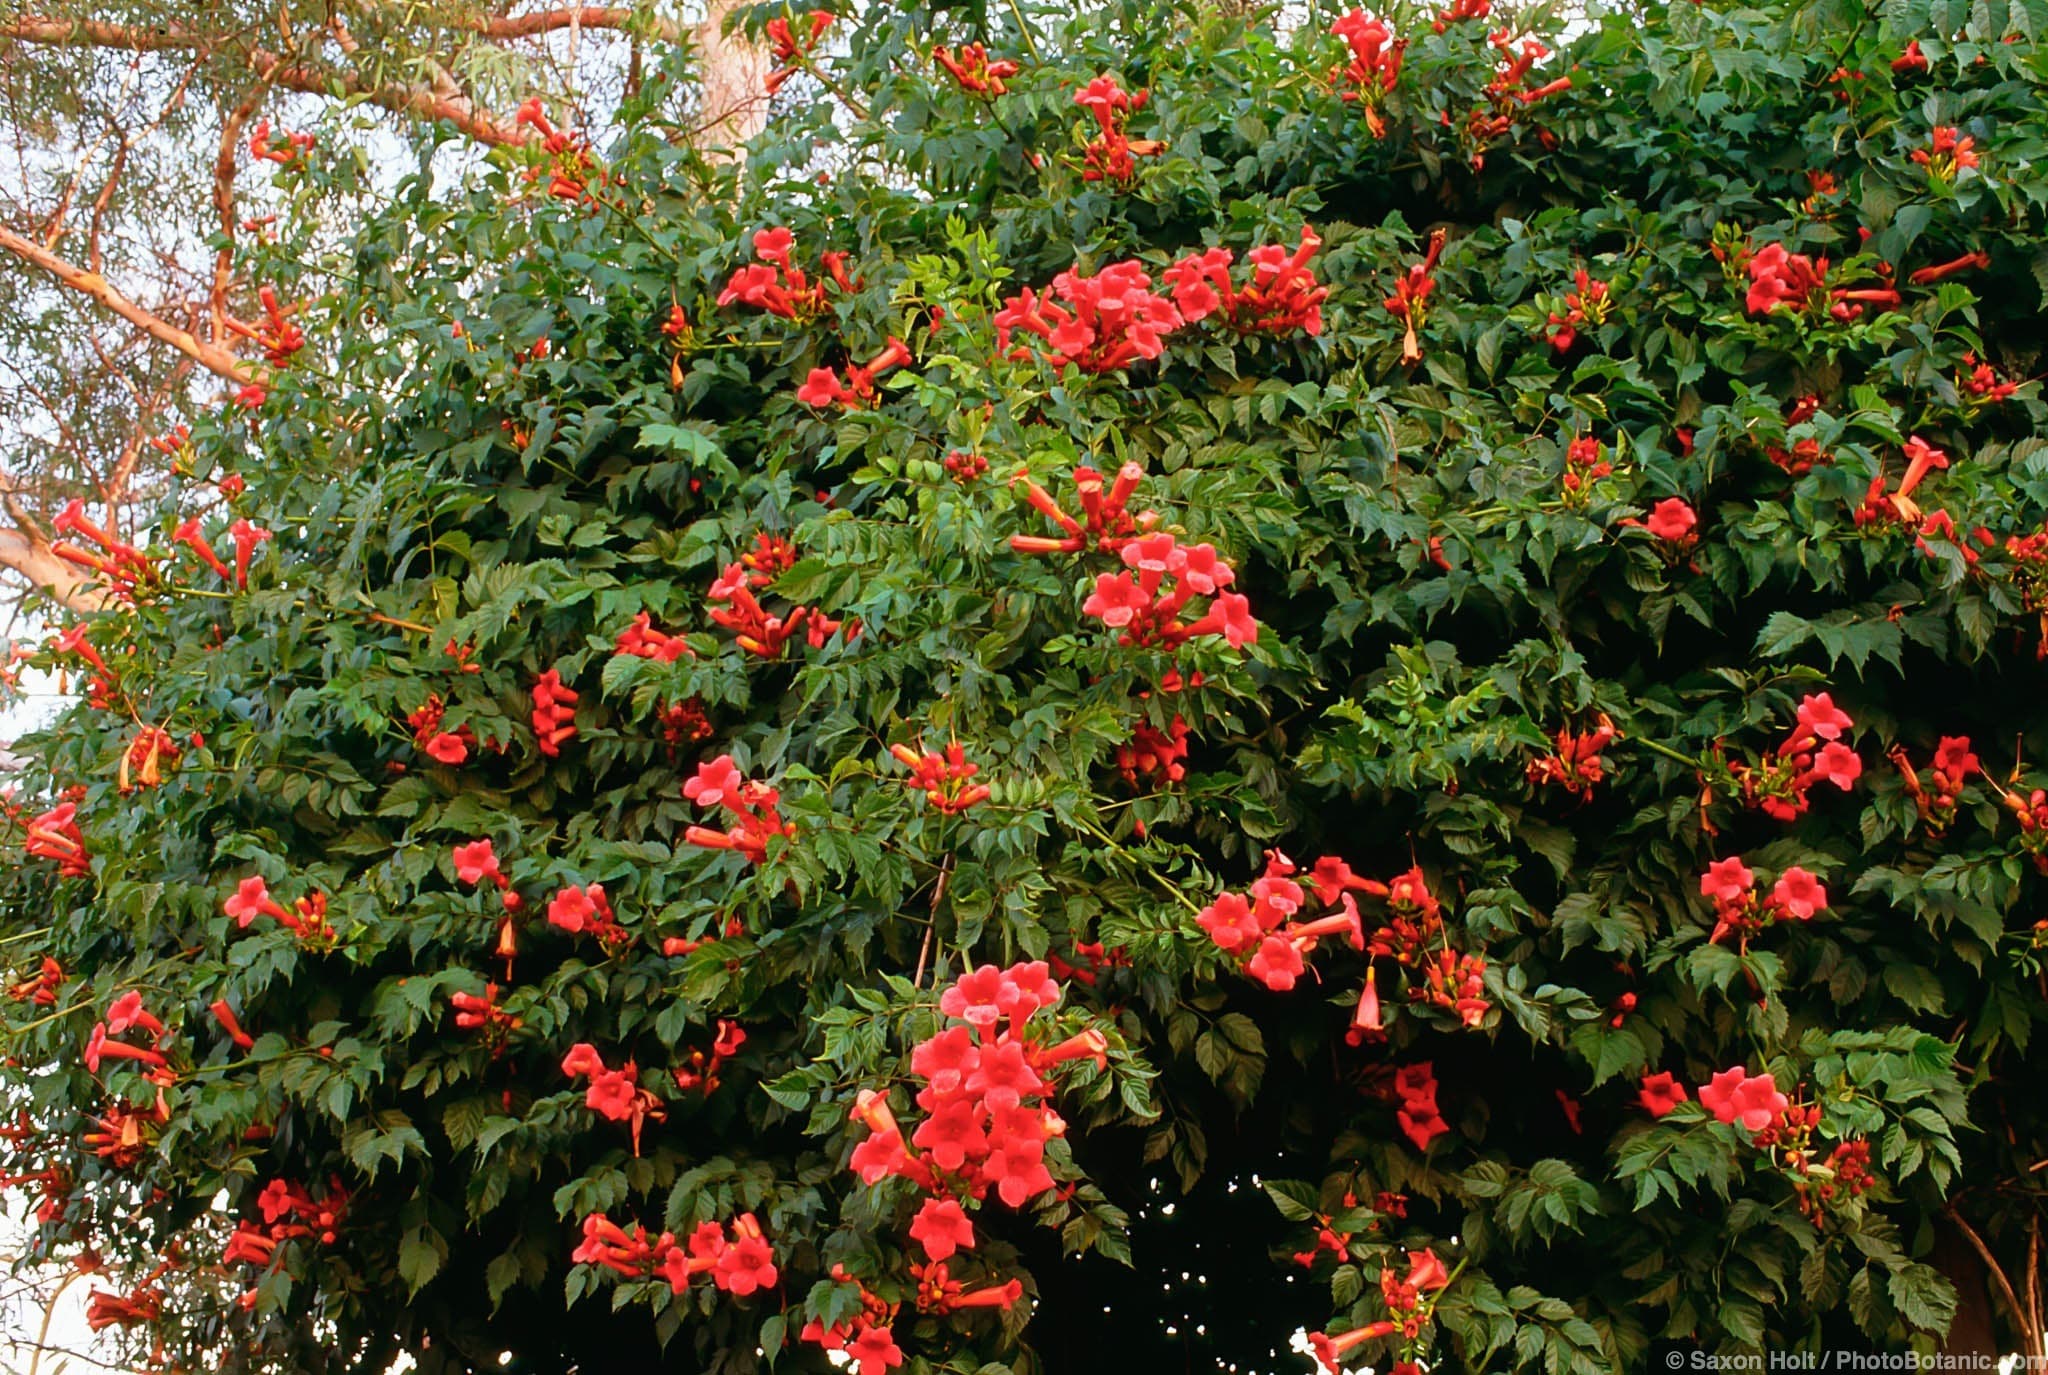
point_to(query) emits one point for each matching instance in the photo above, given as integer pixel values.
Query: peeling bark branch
(214, 359)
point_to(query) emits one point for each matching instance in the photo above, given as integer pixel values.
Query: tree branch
(94, 33)
(214, 359)
(2006, 1295)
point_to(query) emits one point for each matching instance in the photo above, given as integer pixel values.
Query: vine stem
(924, 950)
(1651, 745)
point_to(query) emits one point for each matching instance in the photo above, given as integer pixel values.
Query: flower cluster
(971, 67)
(581, 911)
(1827, 1184)
(565, 159)
(1410, 1301)
(119, 562)
(964, 467)
(735, 606)
(1144, 604)
(751, 806)
(1981, 386)
(700, 1069)
(792, 47)
(307, 918)
(127, 1014)
(289, 1212)
(1375, 64)
(777, 285)
(867, 1339)
(554, 712)
(1577, 767)
(142, 762)
(444, 747)
(985, 1126)
(1410, 301)
(946, 780)
(282, 147)
(39, 988)
(614, 1094)
(1097, 324)
(1780, 278)
(277, 336)
(1812, 752)
(1111, 155)
(1154, 754)
(740, 1264)
(1106, 521)
(1585, 463)
(1260, 928)
(1936, 799)
(477, 863)
(2031, 812)
(1508, 94)
(1281, 297)
(1584, 306)
(643, 641)
(481, 1012)
(822, 386)
(1741, 911)
(685, 722)
(1949, 150)
(56, 835)
(1880, 504)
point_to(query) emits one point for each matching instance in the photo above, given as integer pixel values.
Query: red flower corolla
(1799, 894)
(942, 1229)
(1661, 1093)
(476, 862)
(747, 1265)
(1733, 1096)
(251, 900)
(1910, 60)
(1330, 1352)
(188, 535)
(1673, 520)
(1727, 880)
(246, 537)
(447, 749)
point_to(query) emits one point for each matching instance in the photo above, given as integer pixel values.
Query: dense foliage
(1169, 611)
